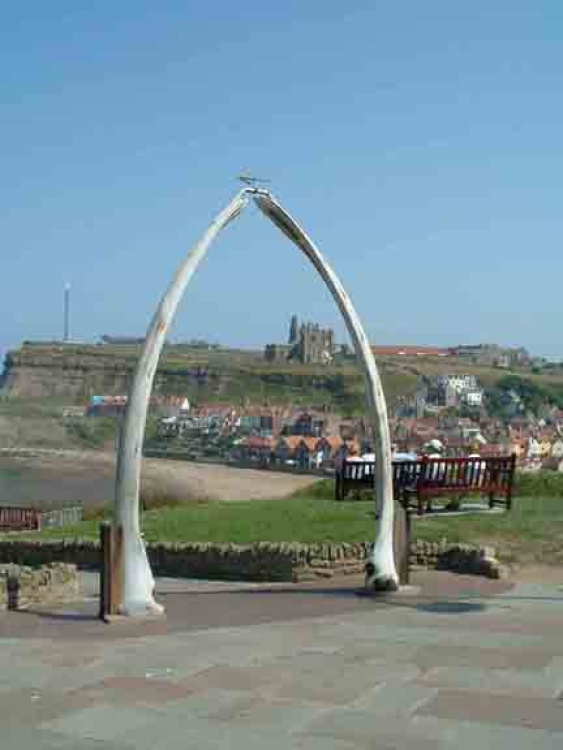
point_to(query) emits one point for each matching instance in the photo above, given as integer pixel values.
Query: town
(449, 413)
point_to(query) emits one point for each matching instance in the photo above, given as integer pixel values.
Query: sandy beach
(89, 476)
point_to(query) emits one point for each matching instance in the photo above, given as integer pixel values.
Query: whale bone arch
(134, 572)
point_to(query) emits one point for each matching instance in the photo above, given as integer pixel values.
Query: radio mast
(66, 333)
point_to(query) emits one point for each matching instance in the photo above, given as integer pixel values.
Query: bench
(415, 483)
(33, 519)
(19, 519)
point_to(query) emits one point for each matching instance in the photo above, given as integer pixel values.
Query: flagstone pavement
(452, 662)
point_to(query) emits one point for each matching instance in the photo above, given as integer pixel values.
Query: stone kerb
(258, 562)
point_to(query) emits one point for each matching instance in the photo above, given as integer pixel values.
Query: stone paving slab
(340, 686)
(395, 697)
(362, 729)
(303, 668)
(30, 739)
(531, 684)
(443, 655)
(509, 708)
(469, 735)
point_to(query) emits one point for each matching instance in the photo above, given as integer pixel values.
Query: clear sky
(420, 143)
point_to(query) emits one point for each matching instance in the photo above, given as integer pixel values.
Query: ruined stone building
(307, 343)
(315, 345)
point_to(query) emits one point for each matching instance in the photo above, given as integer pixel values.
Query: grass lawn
(532, 532)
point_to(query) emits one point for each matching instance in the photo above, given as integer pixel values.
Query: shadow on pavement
(193, 609)
(451, 607)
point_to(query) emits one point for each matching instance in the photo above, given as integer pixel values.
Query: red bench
(415, 483)
(19, 519)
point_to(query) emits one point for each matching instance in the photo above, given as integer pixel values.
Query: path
(458, 662)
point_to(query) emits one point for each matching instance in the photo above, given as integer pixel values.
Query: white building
(473, 398)
(462, 387)
(459, 383)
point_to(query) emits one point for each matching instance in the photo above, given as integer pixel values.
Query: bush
(321, 490)
(97, 512)
(93, 432)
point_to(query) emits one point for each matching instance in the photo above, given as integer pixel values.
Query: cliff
(73, 373)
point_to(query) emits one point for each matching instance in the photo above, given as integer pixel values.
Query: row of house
(534, 443)
(491, 355)
(318, 437)
(260, 421)
(447, 391)
(304, 452)
(114, 406)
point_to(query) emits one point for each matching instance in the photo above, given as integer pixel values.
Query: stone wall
(460, 558)
(35, 552)
(259, 562)
(23, 586)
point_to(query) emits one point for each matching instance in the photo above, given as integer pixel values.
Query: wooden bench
(415, 483)
(19, 519)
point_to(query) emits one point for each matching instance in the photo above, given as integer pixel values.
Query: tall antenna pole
(67, 313)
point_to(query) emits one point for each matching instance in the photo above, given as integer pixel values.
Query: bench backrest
(493, 473)
(19, 519)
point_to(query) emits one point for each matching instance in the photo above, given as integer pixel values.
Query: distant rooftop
(412, 351)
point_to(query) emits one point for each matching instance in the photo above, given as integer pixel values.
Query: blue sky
(419, 143)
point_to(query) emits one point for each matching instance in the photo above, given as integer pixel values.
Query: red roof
(292, 441)
(335, 441)
(310, 442)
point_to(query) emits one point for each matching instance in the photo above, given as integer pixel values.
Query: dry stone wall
(258, 562)
(23, 586)
(461, 558)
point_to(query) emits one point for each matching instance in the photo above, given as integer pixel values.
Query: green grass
(296, 519)
(539, 483)
(532, 532)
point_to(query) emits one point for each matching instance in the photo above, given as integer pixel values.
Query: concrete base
(122, 619)
(402, 591)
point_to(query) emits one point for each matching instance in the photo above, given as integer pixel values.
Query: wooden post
(421, 479)
(511, 481)
(116, 570)
(337, 483)
(105, 567)
(111, 544)
(401, 542)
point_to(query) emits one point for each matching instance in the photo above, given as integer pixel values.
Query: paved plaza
(454, 662)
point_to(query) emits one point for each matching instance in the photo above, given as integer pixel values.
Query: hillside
(73, 373)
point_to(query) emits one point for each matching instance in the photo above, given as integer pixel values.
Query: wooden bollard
(111, 540)
(401, 542)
